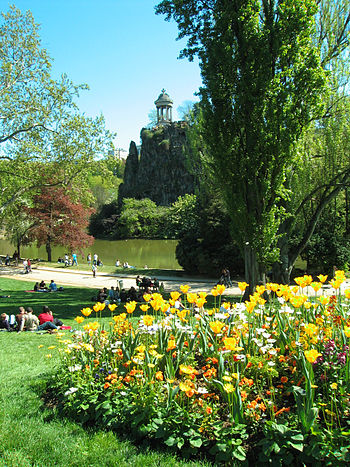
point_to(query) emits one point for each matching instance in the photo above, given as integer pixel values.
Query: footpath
(76, 277)
(79, 278)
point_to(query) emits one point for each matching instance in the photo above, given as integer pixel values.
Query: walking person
(94, 269)
(74, 259)
(88, 259)
(95, 259)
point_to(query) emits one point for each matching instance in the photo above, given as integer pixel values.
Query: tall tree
(40, 123)
(59, 220)
(262, 85)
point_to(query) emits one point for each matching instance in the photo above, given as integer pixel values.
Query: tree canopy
(40, 122)
(262, 85)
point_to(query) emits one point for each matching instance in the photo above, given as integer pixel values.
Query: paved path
(76, 277)
(72, 276)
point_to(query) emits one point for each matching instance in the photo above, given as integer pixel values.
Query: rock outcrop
(160, 172)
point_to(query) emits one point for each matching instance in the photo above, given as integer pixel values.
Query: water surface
(153, 253)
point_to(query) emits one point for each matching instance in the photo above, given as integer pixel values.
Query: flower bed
(266, 380)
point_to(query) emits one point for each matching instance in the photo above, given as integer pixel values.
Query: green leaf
(196, 442)
(170, 441)
(239, 453)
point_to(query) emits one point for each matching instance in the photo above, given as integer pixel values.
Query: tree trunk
(282, 269)
(48, 250)
(19, 248)
(254, 274)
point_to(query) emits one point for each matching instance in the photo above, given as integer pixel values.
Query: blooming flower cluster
(282, 353)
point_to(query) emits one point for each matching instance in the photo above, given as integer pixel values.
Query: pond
(158, 254)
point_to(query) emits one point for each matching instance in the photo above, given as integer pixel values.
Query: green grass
(65, 305)
(33, 434)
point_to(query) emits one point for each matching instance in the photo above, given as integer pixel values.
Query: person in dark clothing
(4, 322)
(123, 296)
(102, 296)
(132, 295)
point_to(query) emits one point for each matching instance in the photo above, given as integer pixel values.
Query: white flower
(271, 363)
(70, 391)
(74, 368)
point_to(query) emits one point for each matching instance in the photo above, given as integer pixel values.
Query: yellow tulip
(316, 286)
(242, 286)
(148, 320)
(322, 278)
(112, 306)
(144, 307)
(175, 295)
(184, 288)
(230, 343)
(86, 311)
(200, 302)
(311, 355)
(220, 288)
(79, 319)
(191, 297)
(130, 307)
(216, 326)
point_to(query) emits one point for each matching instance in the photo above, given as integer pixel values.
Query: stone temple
(160, 170)
(164, 107)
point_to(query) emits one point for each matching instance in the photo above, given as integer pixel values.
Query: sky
(124, 52)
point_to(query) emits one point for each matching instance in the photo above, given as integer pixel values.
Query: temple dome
(163, 100)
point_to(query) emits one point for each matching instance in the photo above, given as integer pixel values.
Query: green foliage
(144, 219)
(140, 218)
(281, 445)
(102, 222)
(165, 145)
(209, 247)
(262, 84)
(42, 132)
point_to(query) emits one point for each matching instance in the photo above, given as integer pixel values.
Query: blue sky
(122, 50)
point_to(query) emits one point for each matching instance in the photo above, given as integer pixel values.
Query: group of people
(26, 320)
(26, 262)
(148, 285)
(125, 264)
(42, 287)
(120, 295)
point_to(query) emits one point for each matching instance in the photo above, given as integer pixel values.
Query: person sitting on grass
(53, 286)
(42, 287)
(4, 322)
(31, 323)
(20, 316)
(47, 316)
(102, 295)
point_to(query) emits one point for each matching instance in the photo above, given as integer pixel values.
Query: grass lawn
(33, 434)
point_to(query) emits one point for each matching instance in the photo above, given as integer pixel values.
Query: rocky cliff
(159, 172)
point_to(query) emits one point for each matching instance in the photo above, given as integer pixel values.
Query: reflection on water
(153, 253)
